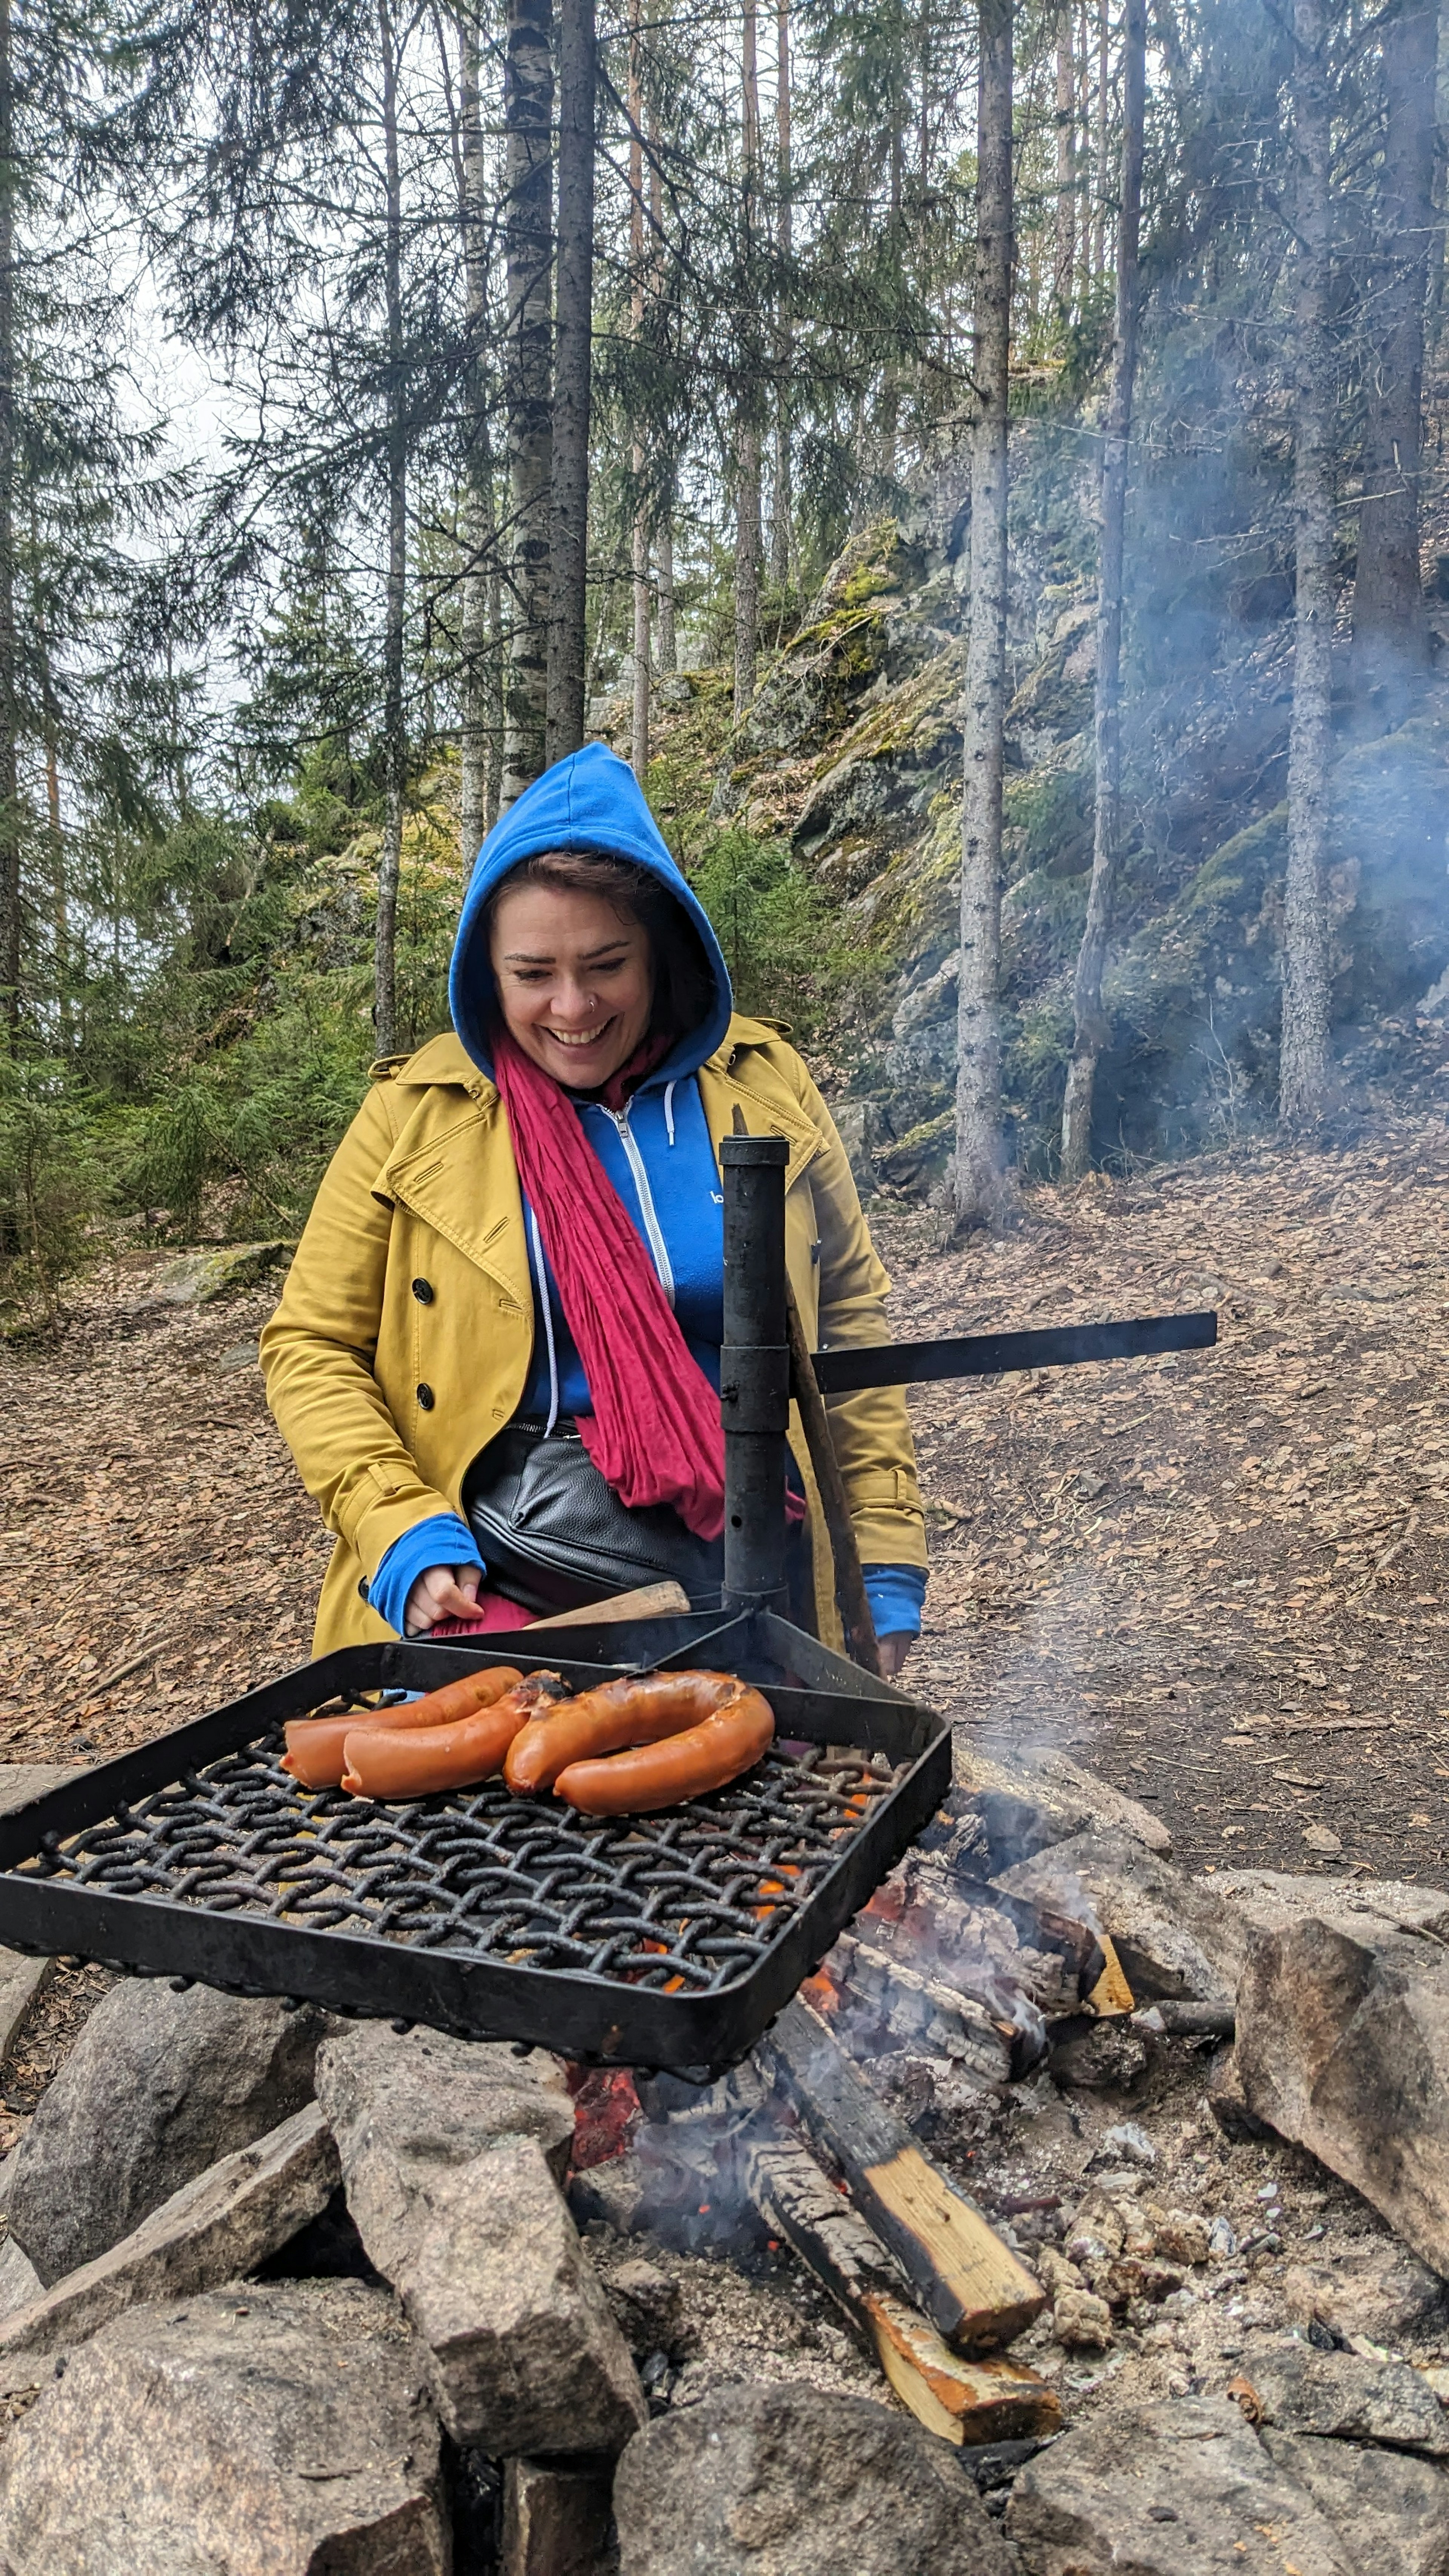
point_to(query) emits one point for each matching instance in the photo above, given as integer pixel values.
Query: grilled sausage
(315, 1745)
(683, 1766)
(640, 1709)
(418, 1762)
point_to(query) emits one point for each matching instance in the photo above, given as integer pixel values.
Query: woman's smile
(557, 949)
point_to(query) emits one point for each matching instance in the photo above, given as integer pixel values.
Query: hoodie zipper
(652, 1228)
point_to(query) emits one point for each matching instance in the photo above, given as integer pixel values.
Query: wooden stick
(648, 1601)
(971, 2285)
(964, 2401)
(834, 1500)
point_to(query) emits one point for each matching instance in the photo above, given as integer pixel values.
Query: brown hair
(683, 983)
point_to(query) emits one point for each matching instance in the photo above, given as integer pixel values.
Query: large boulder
(1167, 1927)
(1344, 2396)
(1343, 2046)
(1392, 2508)
(450, 2152)
(284, 2429)
(223, 2224)
(787, 2481)
(157, 2087)
(1185, 2489)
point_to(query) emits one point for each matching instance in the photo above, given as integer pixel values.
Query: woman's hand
(444, 1592)
(893, 1652)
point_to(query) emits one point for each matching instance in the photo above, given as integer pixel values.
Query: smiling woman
(497, 1356)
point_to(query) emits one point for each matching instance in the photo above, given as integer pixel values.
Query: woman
(496, 1358)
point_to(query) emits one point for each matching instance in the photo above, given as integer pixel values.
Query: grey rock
(861, 1127)
(199, 1278)
(555, 2519)
(22, 1781)
(1127, 2144)
(21, 1981)
(1343, 2046)
(1375, 2288)
(283, 2429)
(1184, 2489)
(1165, 1925)
(613, 2195)
(449, 2154)
(1269, 1900)
(157, 2087)
(19, 2280)
(1345, 2398)
(646, 2305)
(440, 2099)
(1392, 2510)
(786, 2481)
(214, 2229)
(1067, 1799)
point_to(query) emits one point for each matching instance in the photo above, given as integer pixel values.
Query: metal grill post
(754, 1371)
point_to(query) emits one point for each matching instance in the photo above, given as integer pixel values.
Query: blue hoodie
(657, 1152)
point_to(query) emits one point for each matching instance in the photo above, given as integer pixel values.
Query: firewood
(648, 1601)
(970, 2284)
(964, 2401)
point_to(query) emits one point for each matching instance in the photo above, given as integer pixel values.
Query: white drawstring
(669, 1111)
(543, 1299)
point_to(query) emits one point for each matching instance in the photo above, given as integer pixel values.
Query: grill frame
(596, 2019)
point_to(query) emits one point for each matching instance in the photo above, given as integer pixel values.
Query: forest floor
(1220, 1579)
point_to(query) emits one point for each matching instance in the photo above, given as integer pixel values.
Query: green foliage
(56, 1184)
(780, 933)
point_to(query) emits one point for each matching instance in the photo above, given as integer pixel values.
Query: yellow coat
(423, 1188)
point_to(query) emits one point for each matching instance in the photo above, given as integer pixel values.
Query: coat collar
(453, 1161)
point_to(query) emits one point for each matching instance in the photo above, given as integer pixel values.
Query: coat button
(362, 1592)
(423, 1291)
(426, 1398)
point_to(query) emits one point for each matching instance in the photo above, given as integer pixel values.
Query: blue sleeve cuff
(896, 1594)
(443, 1540)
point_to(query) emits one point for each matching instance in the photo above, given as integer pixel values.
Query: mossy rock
(199, 1278)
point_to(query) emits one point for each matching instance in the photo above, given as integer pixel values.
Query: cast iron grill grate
(685, 1902)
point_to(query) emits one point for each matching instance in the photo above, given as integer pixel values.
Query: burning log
(913, 2007)
(970, 2284)
(965, 2401)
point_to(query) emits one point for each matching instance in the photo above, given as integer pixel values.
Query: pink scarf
(655, 1429)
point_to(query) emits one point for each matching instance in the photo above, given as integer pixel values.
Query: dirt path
(1219, 1579)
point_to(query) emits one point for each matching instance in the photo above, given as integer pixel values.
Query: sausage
(385, 1763)
(639, 1709)
(314, 1752)
(705, 1756)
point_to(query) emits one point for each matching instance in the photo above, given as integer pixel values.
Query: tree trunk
(1091, 1032)
(782, 503)
(477, 747)
(385, 1027)
(1390, 632)
(1064, 270)
(668, 649)
(979, 1155)
(747, 439)
(1104, 114)
(528, 247)
(573, 380)
(639, 551)
(1303, 1072)
(9, 675)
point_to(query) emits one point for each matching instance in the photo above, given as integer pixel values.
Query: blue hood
(591, 801)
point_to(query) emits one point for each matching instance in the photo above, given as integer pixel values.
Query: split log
(970, 2284)
(916, 2007)
(992, 2400)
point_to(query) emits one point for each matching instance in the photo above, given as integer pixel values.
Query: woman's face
(575, 981)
